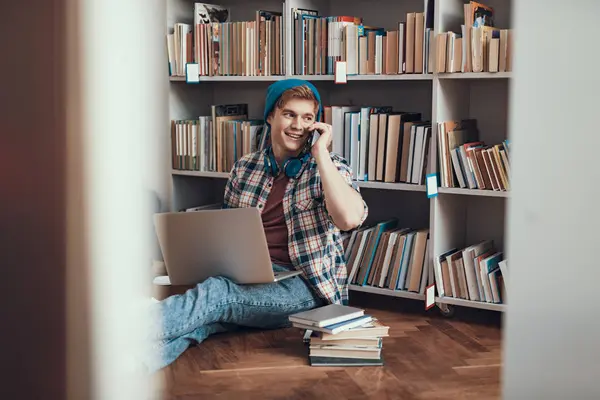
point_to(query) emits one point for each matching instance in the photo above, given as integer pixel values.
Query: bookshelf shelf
(374, 77)
(475, 75)
(388, 292)
(273, 78)
(391, 186)
(204, 174)
(458, 217)
(474, 192)
(362, 184)
(399, 77)
(470, 303)
(232, 78)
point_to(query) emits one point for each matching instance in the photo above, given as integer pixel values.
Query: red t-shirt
(274, 224)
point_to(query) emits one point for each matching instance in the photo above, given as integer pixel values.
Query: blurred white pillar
(552, 347)
(118, 123)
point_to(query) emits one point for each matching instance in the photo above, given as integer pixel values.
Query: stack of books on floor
(341, 335)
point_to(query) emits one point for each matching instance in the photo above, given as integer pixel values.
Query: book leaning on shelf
(388, 256)
(477, 272)
(222, 47)
(215, 142)
(478, 47)
(466, 161)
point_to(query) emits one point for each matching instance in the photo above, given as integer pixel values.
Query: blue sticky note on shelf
(431, 184)
(192, 73)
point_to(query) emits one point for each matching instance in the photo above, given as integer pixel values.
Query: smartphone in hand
(315, 135)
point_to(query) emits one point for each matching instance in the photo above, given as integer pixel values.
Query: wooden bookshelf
(457, 217)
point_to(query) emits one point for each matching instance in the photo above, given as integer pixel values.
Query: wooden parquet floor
(426, 356)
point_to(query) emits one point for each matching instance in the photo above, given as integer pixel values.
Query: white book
(426, 267)
(504, 269)
(487, 290)
(493, 277)
(457, 167)
(388, 257)
(411, 149)
(401, 46)
(417, 152)
(354, 143)
(405, 261)
(326, 315)
(365, 113)
(350, 244)
(359, 253)
(472, 271)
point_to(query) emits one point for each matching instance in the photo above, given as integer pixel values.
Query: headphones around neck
(291, 167)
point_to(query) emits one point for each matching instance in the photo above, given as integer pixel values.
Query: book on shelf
(215, 142)
(477, 272)
(381, 144)
(478, 47)
(385, 255)
(222, 47)
(465, 161)
(319, 41)
(340, 335)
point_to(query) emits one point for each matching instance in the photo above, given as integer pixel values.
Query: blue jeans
(218, 305)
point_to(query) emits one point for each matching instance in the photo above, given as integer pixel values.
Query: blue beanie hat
(277, 88)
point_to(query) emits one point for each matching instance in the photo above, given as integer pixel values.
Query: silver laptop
(198, 245)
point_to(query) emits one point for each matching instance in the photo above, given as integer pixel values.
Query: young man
(306, 197)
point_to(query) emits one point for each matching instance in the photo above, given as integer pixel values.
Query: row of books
(340, 335)
(388, 256)
(221, 47)
(215, 142)
(477, 273)
(381, 144)
(320, 41)
(467, 162)
(478, 47)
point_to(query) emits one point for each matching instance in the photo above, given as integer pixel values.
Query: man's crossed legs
(218, 305)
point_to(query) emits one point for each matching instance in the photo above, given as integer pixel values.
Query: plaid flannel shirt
(315, 243)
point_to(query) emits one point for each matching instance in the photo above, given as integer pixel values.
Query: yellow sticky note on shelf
(340, 72)
(431, 183)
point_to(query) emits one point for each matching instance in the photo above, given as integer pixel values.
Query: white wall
(552, 328)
